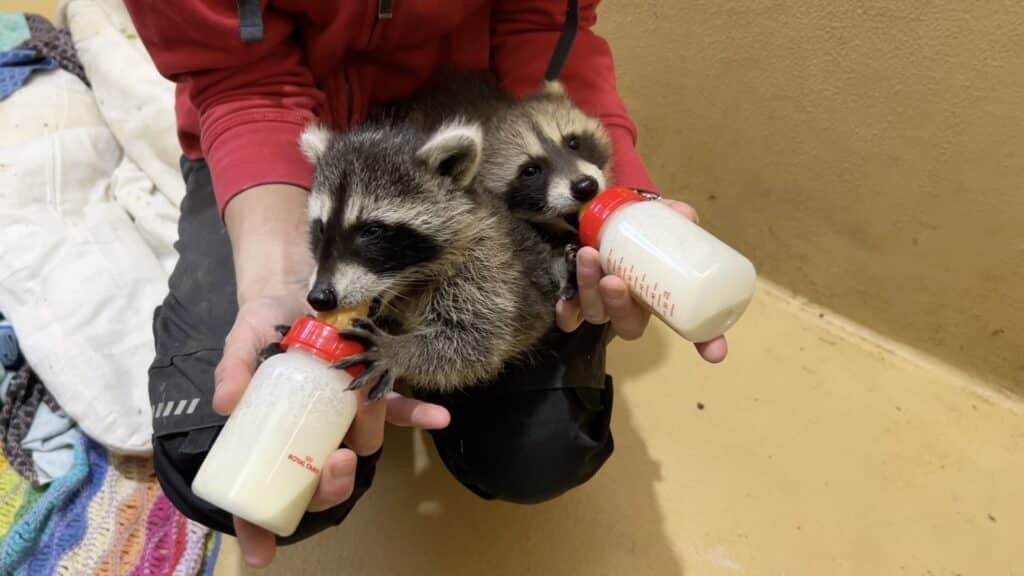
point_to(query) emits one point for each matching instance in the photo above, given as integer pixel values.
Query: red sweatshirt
(242, 105)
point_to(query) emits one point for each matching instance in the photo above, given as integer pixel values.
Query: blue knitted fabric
(67, 528)
(26, 532)
(17, 65)
(10, 355)
(211, 561)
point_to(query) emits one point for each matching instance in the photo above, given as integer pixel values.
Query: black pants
(529, 436)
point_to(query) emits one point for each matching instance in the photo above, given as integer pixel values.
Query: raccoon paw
(568, 291)
(269, 350)
(274, 348)
(570, 287)
(377, 375)
(571, 250)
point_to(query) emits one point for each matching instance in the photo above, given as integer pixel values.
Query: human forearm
(268, 229)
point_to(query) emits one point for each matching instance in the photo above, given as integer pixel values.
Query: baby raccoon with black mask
(545, 158)
(461, 285)
(542, 156)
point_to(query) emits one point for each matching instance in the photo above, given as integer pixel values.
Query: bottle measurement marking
(659, 300)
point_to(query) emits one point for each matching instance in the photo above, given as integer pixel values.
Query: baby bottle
(689, 279)
(265, 464)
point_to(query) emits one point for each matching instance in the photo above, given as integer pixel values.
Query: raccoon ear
(314, 140)
(454, 152)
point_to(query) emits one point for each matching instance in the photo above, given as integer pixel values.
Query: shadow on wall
(417, 519)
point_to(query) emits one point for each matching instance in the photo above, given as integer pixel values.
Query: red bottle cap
(600, 208)
(322, 340)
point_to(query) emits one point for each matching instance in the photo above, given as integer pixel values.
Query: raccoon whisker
(391, 295)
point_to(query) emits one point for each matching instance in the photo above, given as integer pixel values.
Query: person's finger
(258, 545)
(409, 412)
(337, 479)
(588, 263)
(684, 209)
(714, 351)
(367, 432)
(236, 367)
(568, 314)
(629, 319)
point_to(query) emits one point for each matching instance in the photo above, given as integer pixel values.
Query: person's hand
(604, 298)
(267, 226)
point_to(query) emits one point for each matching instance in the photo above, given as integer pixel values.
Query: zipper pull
(385, 9)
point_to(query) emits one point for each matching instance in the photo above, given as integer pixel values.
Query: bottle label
(306, 463)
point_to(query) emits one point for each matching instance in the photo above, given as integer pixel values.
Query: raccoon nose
(584, 189)
(322, 298)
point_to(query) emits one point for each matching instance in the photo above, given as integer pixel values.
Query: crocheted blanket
(107, 515)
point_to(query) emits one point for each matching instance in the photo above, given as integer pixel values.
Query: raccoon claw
(377, 375)
(568, 292)
(363, 331)
(365, 324)
(380, 379)
(365, 358)
(571, 250)
(384, 385)
(272, 349)
(570, 288)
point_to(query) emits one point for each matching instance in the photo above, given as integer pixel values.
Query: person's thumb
(236, 367)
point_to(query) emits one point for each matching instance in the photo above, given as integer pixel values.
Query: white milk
(689, 279)
(265, 464)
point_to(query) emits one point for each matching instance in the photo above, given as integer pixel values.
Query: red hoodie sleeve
(525, 33)
(253, 99)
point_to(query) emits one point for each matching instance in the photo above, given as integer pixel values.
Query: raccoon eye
(530, 170)
(371, 232)
(573, 142)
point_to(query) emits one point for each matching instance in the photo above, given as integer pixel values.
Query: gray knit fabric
(56, 44)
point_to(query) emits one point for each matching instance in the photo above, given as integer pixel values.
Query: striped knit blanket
(107, 515)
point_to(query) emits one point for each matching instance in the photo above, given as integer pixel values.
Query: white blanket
(89, 195)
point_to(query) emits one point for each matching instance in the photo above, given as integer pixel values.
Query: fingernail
(619, 294)
(338, 469)
(216, 397)
(587, 266)
(250, 559)
(248, 555)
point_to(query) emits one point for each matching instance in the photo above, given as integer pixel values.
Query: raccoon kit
(543, 156)
(461, 286)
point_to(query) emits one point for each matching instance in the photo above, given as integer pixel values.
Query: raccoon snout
(322, 298)
(584, 189)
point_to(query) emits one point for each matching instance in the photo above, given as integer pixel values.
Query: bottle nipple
(342, 317)
(583, 210)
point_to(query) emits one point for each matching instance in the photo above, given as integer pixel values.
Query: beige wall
(867, 155)
(46, 8)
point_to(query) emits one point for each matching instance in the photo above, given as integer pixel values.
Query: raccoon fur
(542, 156)
(461, 285)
